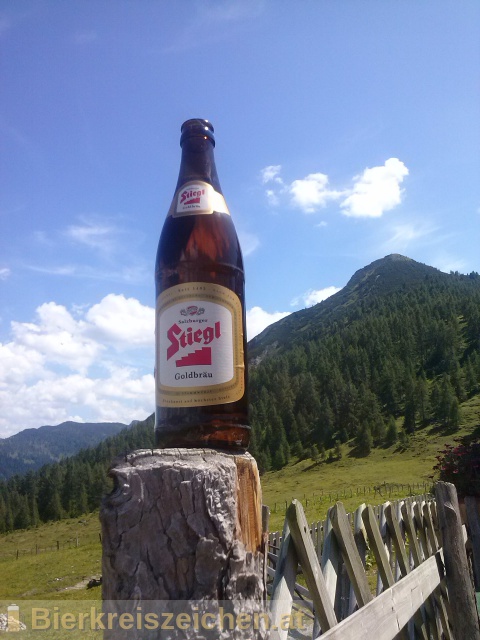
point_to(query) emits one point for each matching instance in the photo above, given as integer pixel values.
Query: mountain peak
(389, 272)
(386, 276)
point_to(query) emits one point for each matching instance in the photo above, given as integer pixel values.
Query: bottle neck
(198, 162)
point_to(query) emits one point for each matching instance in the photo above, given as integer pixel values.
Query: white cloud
(258, 320)
(249, 242)
(58, 338)
(271, 174)
(404, 235)
(121, 397)
(446, 263)
(314, 296)
(123, 322)
(373, 192)
(312, 192)
(376, 190)
(136, 273)
(93, 235)
(4, 273)
(67, 365)
(19, 363)
(309, 193)
(272, 198)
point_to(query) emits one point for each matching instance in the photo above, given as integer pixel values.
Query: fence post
(461, 592)
(474, 525)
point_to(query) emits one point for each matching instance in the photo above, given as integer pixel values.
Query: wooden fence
(59, 545)
(392, 571)
(384, 489)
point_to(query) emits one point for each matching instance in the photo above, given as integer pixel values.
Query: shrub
(460, 465)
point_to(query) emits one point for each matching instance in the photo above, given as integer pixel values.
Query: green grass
(306, 480)
(49, 575)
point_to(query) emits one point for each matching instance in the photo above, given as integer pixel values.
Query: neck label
(197, 197)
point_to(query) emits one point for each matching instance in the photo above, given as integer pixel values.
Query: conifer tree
(392, 433)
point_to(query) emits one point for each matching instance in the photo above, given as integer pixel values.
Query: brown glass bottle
(201, 372)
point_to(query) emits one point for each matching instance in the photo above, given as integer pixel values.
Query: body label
(199, 346)
(195, 197)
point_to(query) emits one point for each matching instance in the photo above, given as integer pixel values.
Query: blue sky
(345, 131)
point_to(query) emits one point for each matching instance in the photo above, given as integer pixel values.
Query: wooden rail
(400, 570)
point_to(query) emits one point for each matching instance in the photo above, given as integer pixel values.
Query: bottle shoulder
(202, 238)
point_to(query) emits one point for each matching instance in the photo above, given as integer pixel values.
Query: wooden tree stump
(182, 533)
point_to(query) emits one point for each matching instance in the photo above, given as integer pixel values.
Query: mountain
(401, 339)
(391, 274)
(29, 449)
(395, 351)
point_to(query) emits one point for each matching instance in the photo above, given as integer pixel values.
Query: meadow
(55, 561)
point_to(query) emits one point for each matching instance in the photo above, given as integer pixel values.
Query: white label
(199, 346)
(197, 197)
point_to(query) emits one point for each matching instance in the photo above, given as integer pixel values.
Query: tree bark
(182, 534)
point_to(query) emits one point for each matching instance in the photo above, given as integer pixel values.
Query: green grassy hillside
(61, 571)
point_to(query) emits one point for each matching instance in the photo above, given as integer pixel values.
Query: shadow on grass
(358, 452)
(319, 463)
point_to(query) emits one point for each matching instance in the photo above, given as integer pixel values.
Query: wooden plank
(382, 526)
(429, 527)
(464, 616)
(411, 533)
(265, 522)
(330, 560)
(320, 532)
(401, 554)
(397, 538)
(360, 537)
(474, 526)
(380, 553)
(383, 617)
(420, 527)
(433, 511)
(330, 564)
(398, 513)
(311, 568)
(298, 589)
(283, 584)
(350, 554)
(377, 546)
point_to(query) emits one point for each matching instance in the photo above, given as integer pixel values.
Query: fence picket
(283, 584)
(310, 565)
(360, 537)
(351, 557)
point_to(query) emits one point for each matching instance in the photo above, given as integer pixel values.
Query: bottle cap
(197, 127)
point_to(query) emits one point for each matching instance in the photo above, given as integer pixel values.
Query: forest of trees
(407, 357)
(68, 488)
(414, 353)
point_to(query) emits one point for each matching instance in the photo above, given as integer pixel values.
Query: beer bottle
(201, 373)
